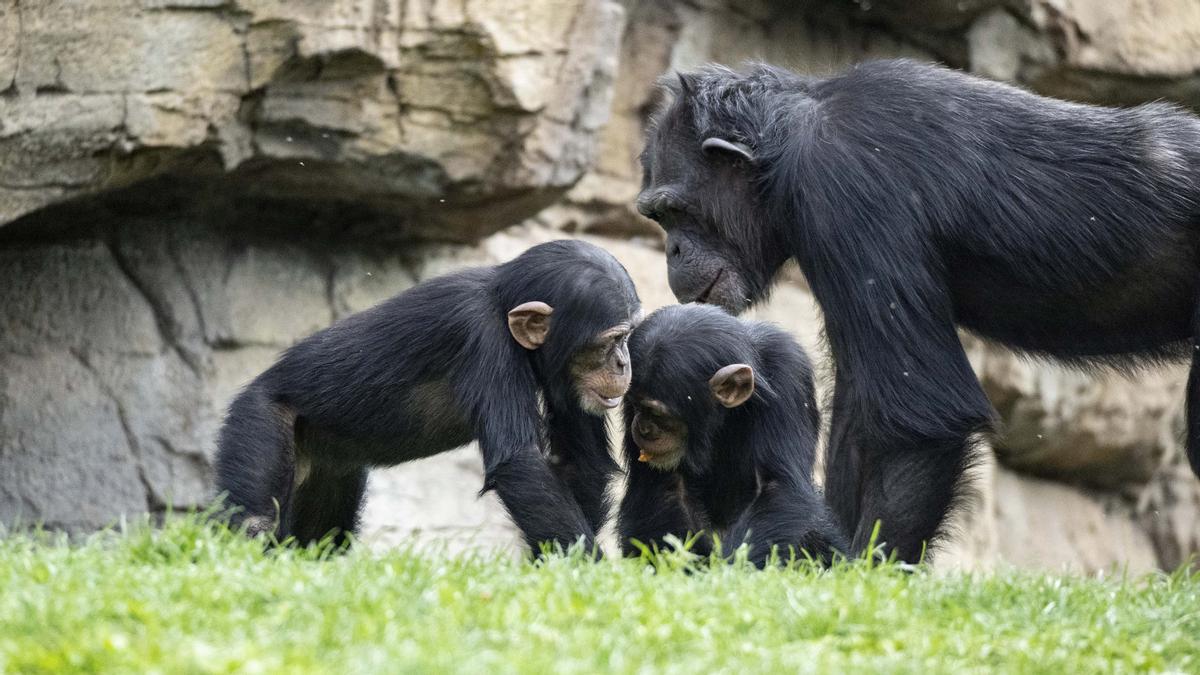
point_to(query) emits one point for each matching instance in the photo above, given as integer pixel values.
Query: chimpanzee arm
(500, 394)
(579, 455)
(652, 507)
(788, 514)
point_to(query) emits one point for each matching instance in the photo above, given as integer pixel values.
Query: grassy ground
(192, 599)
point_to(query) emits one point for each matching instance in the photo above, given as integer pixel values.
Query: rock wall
(452, 119)
(189, 186)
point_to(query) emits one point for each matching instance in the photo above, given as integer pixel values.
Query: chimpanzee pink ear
(529, 323)
(732, 149)
(732, 385)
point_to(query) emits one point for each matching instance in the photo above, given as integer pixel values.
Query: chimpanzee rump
(915, 199)
(461, 357)
(721, 427)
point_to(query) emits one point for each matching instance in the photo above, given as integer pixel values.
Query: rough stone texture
(1156, 38)
(1040, 524)
(95, 404)
(458, 118)
(1049, 525)
(1105, 429)
(189, 186)
(1167, 509)
(1123, 52)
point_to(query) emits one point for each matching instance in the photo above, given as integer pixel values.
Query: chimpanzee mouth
(606, 402)
(703, 297)
(663, 461)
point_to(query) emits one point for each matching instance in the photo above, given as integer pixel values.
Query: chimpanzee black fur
(431, 369)
(708, 453)
(915, 199)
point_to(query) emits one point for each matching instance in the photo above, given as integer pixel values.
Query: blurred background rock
(189, 186)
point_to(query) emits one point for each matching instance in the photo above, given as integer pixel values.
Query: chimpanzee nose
(645, 206)
(675, 248)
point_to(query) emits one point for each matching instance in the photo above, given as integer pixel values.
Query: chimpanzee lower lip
(610, 402)
(711, 285)
(663, 461)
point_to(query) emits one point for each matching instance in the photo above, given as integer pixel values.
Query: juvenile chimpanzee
(721, 427)
(478, 354)
(916, 198)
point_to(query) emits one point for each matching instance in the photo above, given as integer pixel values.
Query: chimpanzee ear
(686, 86)
(529, 323)
(732, 385)
(733, 149)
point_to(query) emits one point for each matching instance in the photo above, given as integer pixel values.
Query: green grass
(191, 598)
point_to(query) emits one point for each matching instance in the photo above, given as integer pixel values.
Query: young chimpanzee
(721, 428)
(525, 357)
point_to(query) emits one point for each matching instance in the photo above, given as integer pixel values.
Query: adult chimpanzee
(461, 357)
(721, 427)
(916, 198)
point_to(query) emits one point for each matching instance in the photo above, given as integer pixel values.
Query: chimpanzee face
(660, 431)
(599, 370)
(702, 190)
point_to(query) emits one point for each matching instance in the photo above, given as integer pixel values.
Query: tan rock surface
(394, 104)
(1101, 428)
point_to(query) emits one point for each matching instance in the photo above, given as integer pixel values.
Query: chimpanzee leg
(908, 485)
(254, 464)
(538, 501)
(843, 470)
(906, 412)
(651, 510)
(328, 500)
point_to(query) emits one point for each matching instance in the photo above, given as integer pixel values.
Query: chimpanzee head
(702, 176)
(572, 305)
(694, 367)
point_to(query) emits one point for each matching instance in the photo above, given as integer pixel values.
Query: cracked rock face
(99, 415)
(119, 353)
(453, 118)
